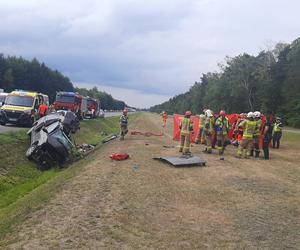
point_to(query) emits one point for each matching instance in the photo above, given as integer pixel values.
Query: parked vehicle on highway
(2, 98)
(101, 113)
(21, 107)
(69, 101)
(93, 106)
(50, 139)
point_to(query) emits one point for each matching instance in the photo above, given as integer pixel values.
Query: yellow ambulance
(21, 107)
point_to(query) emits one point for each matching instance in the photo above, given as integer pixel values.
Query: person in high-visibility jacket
(249, 127)
(208, 130)
(222, 128)
(186, 129)
(123, 124)
(200, 136)
(164, 116)
(277, 132)
(256, 136)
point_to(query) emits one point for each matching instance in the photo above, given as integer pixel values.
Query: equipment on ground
(182, 161)
(147, 134)
(119, 156)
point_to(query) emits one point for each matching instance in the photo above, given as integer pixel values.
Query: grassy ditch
(21, 184)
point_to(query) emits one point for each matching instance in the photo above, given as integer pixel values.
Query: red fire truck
(69, 101)
(93, 106)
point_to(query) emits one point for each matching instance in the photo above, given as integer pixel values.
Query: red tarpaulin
(178, 118)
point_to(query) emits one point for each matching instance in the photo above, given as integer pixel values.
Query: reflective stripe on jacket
(209, 125)
(186, 126)
(249, 129)
(222, 125)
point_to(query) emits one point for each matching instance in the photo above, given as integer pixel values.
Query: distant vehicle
(101, 113)
(69, 101)
(21, 107)
(2, 98)
(93, 106)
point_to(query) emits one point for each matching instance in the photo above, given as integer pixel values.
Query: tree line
(19, 73)
(268, 82)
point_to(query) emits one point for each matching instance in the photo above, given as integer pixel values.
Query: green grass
(23, 188)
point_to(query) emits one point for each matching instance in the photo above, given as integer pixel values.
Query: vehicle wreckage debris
(119, 156)
(85, 149)
(51, 139)
(182, 161)
(147, 134)
(110, 138)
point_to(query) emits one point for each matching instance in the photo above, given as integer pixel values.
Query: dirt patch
(141, 203)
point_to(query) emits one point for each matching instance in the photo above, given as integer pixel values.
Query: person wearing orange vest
(43, 108)
(249, 128)
(164, 118)
(186, 130)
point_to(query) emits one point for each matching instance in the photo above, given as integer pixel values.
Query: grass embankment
(21, 183)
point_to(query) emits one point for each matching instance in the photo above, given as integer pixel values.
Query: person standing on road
(267, 137)
(277, 132)
(222, 129)
(200, 136)
(208, 131)
(123, 124)
(164, 118)
(256, 136)
(186, 130)
(249, 126)
(43, 108)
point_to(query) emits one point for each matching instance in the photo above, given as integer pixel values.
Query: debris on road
(119, 156)
(168, 146)
(182, 162)
(147, 134)
(110, 138)
(85, 149)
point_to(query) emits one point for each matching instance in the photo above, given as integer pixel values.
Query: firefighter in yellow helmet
(222, 127)
(186, 129)
(208, 130)
(249, 126)
(200, 136)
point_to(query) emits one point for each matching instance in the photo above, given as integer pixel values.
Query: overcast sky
(142, 52)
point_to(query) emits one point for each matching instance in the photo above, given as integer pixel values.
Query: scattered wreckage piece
(119, 156)
(85, 149)
(147, 134)
(182, 161)
(50, 139)
(109, 138)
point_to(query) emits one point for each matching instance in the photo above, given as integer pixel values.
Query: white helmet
(208, 113)
(250, 115)
(256, 114)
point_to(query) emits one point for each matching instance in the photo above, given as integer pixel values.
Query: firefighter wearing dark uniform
(186, 129)
(123, 124)
(267, 137)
